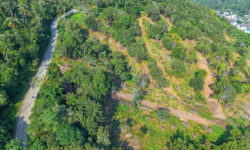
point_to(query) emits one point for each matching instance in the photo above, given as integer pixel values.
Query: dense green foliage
(124, 26)
(25, 31)
(240, 7)
(69, 107)
(69, 110)
(14, 145)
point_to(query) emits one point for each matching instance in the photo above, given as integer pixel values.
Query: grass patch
(204, 112)
(216, 133)
(79, 18)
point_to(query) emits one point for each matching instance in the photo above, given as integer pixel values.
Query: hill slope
(145, 75)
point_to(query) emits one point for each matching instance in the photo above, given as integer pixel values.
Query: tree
(153, 12)
(157, 73)
(103, 136)
(167, 42)
(91, 22)
(157, 30)
(14, 145)
(3, 98)
(178, 53)
(120, 65)
(101, 83)
(198, 81)
(138, 50)
(68, 134)
(178, 67)
(110, 14)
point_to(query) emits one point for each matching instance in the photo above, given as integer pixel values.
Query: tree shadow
(110, 108)
(20, 132)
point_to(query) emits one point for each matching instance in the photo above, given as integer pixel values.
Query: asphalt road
(30, 97)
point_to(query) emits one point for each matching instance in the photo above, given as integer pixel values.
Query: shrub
(167, 42)
(137, 96)
(138, 50)
(162, 114)
(198, 81)
(178, 53)
(91, 22)
(153, 12)
(178, 67)
(156, 31)
(157, 74)
(142, 81)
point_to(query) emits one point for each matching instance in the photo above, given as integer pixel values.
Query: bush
(142, 81)
(67, 135)
(120, 65)
(3, 98)
(14, 145)
(138, 50)
(155, 31)
(167, 42)
(157, 74)
(91, 22)
(178, 53)
(162, 114)
(153, 12)
(178, 67)
(192, 57)
(198, 81)
(137, 96)
(204, 47)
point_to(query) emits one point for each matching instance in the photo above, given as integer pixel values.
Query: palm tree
(12, 22)
(22, 8)
(4, 48)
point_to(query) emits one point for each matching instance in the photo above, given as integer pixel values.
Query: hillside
(240, 7)
(145, 75)
(165, 74)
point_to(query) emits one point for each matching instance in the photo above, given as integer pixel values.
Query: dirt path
(213, 104)
(147, 43)
(30, 97)
(183, 115)
(167, 20)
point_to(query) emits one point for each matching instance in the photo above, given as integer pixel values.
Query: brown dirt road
(213, 104)
(184, 116)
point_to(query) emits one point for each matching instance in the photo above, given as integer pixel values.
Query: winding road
(30, 97)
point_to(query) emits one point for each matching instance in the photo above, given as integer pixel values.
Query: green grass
(204, 112)
(157, 132)
(216, 133)
(79, 18)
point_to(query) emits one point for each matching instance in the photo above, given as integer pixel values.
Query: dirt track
(184, 116)
(213, 104)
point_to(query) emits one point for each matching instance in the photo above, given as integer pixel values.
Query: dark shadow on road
(21, 127)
